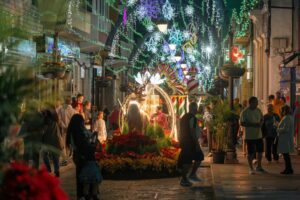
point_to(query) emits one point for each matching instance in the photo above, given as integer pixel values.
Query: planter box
(232, 71)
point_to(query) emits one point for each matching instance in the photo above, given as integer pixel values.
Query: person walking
(83, 150)
(65, 114)
(52, 141)
(269, 127)
(286, 138)
(252, 119)
(190, 147)
(32, 132)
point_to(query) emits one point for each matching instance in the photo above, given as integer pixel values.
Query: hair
(86, 103)
(159, 108)
(283, 99)
(79, 95)
(100, 112)
(68, 100)
(286, 110)
(251, 99)
(270, 105)
(271, 97)
(76, 127)
(193, 107)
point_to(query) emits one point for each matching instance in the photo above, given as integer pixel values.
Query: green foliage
(154, 131)
(222, 115)
(16, 78)
(125, 128)
(163, 142)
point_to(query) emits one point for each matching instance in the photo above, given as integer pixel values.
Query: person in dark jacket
(269, 127)
(52, 140)
(190, 147)
(83, 150)
(32, 131)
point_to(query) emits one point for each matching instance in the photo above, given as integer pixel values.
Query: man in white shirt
(65, 114)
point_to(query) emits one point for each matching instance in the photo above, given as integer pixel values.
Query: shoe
(185, 182)
(195, 178)
(254, 161)
(287, 171)
(260, 170)
(283, 172)
(251, 172)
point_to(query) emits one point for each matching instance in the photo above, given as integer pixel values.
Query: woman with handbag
(285, 136)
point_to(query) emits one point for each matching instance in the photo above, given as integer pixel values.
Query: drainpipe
(268, 47)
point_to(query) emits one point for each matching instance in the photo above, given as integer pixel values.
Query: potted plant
(221, 116)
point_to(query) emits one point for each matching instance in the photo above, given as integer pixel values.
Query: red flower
(22, 182)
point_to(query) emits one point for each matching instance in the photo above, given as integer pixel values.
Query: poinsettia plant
(21, 182)
(131, 142)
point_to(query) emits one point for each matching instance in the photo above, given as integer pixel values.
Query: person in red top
(160, 118)
(114, 118)
(79, 102)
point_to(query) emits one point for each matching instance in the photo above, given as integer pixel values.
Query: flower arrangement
(131, 142)
(20, 182)
(165, 162)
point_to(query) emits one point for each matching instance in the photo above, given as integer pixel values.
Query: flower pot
(218, 157)
(232, 71)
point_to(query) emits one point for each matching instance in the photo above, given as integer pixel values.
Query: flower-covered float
(146, 145)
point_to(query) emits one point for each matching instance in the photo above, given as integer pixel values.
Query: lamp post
(232, 72)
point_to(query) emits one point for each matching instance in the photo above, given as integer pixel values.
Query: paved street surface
(227, 181)
(234, 182)
(167, 189)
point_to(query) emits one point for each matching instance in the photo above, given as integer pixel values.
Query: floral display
(21, 182)
(131, 142)
(164, 162)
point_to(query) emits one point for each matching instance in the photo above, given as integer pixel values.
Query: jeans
(271, 148)
(55, 158)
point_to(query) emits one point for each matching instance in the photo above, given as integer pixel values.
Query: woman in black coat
(83, 150)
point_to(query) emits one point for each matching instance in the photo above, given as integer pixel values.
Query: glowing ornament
(151, 44)
(157, 36)
(125, 16)
(186, 35)
(156, 79)
(148, 8)
(150, 28)
(131, 2)
(175, 36)
(189, 10)
(168, 10)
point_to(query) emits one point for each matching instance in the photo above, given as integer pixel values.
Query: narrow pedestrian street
(167, 188)
(149, 99)
(219, 181)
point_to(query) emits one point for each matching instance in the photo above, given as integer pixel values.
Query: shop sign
(66, 48)
(21, 47)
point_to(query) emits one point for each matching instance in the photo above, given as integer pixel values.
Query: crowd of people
(59, 133)
(272, 133)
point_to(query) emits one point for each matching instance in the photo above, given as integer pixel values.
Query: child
(90, 175)
(100, 127)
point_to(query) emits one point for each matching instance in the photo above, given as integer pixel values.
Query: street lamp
(177, 57)
(183, 65)
(162, 26)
